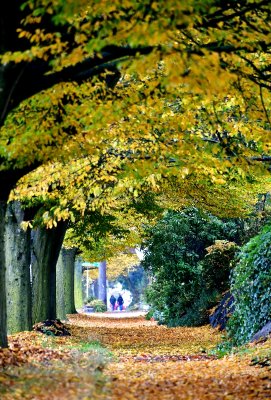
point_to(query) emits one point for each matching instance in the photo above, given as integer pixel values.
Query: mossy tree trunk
(65, 282)
(78, 283)
(60, 301)
(46, 245)
(17, 255)
(3, 312)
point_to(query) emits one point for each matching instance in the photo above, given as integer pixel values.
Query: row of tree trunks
(28, 284)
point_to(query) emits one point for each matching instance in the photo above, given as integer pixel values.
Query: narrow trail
(155, 362)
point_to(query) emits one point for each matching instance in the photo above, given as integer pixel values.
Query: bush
(89, 300)
(98, 305)
(251, 288)
(216, 266)
(183, 284)
(198, 312)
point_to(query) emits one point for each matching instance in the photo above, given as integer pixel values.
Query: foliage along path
(155, 362)
(145, 361)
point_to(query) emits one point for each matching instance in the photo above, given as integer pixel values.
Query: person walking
(120, 302)
(113, 302)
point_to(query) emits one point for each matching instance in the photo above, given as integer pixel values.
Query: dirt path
(155, 362)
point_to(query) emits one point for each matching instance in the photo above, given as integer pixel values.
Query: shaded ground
(136, 360)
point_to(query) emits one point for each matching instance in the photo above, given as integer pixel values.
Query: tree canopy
(71, 57)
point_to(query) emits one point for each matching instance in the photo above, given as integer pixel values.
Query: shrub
(216, 266)
(198, 312)
(89, 300)
(174, 254)
(98, 305)
(251, 288)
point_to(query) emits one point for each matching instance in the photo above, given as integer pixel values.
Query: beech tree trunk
(65, 282)
(46, 245)
(18, 287)
(3, 314)
(102, 282)
(60, 301)
(78, 283)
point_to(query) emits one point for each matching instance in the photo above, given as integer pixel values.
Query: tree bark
(3, 315)
(18, 287)
(78, 284)
(60, 301)
(65, 282)
(46, 245)
(102, 282)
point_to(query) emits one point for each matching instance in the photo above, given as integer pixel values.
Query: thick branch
(35, 76)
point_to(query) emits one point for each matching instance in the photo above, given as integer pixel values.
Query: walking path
(117, 314)
(138, 360)
(155, 362)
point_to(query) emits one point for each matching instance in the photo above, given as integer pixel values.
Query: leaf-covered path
(155, 362)
(137, 360)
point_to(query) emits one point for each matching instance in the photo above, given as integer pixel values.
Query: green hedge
(251, 288)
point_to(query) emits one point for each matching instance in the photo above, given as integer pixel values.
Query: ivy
(251, 287)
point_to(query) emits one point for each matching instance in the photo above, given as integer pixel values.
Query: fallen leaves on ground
(216, 379)
(21, 351)
(155, 362)
(146, 362)
(134, 336)
(40, 367)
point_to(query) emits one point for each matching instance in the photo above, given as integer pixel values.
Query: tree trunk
(3, 314)
(17, 254)
(96, 288)
(65, 282)
(46, 245)
(102, 282)
(78, 284)
(60, 301)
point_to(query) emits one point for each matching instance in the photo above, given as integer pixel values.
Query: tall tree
(17, 252)
(65, 274)
(46, 245)
(102, 295)
(78, 283)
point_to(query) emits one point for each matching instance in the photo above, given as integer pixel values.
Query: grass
(79, 375)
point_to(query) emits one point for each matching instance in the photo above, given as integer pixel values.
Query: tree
(23, 73)
(78, 284)
(46, 245)
(18, 253)
(65, 279)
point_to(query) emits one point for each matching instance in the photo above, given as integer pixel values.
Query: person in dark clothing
(113, 302)
(120, 302)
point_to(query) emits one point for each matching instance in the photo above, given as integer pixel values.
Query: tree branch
(36, 75)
